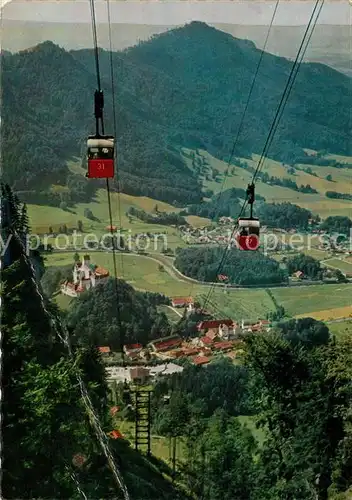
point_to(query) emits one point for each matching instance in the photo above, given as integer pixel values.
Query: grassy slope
(309, 299)
(42, 217)
(317, 203)
(344, 266)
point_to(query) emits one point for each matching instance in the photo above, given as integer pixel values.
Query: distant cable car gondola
(248, 233)
(247, 236)
(100, 157)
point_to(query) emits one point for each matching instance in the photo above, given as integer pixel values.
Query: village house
(226, 220)
(132, 350)
(205, 351)
(227, 332)
(246, 324)
(206, 341)
(183, 302)
(223, 346)
(115, 434)
(298, 275)
(177, 353)
(139, 374)
(201, 360)
(204, 326)
(190, 351)
(166, 344)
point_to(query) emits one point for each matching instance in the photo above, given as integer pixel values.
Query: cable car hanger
(100, 148)
(248, 227)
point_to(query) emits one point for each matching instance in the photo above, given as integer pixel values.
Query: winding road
(169, 267)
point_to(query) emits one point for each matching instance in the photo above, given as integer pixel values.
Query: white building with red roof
(183, 302)
(85, 276)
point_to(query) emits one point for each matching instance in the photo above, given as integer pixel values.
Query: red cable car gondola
(100, 152)
(247, 236)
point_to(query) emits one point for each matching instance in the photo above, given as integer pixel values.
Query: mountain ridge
(185, 87)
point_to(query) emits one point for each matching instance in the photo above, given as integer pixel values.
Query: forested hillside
(46, 422)
(294, 386)
(186, 87)
(242, 268)
(94, 318)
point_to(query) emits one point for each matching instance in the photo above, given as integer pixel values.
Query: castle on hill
(85, 276)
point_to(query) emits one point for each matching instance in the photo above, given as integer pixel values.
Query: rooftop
(182, 300)
(223, 345)
(104, 349)
(201, 360)
(215, 323)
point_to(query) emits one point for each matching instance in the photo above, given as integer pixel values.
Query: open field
(317, 203)
(344, 266)
(341, 329)
(331, 314)
(250, 423)
(42, 217)
(161, 446)
(143, 273)
(63, 301)
(310, 300)
(172, 316)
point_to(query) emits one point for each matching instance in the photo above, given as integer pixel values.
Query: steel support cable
(95, 42)
(248, 101)
(96, 58)
(96, 52)
(287, 90)
(224, 256)
(117, 474)
(122, 337)
(115, 124)
(298, 65)
(274, 125)
(239, 130)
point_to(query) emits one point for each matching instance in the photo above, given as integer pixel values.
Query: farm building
(204, 326)
(183, 302)
(201, 360)
(166, 344)
(131, 349)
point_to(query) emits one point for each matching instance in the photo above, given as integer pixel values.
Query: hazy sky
(161, 12)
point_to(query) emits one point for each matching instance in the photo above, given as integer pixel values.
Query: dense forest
(97, 317)
(337, 224)
(179, 89)
(338, 196)
(276, 215)
(225, 204)
(286, 216)
(52, 447)
(242, 268)
(309, 266)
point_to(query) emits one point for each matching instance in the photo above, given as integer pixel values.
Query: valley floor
(144, 273)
